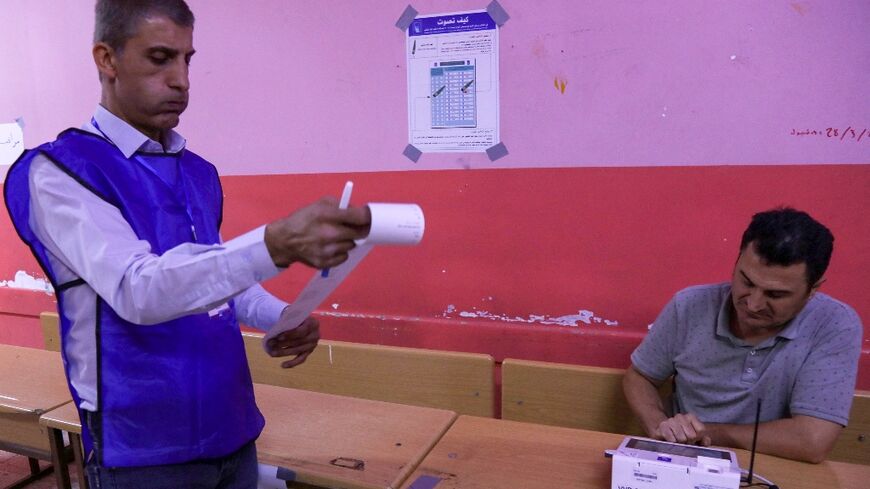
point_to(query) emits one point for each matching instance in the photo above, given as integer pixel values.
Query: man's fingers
(319, 235)
(296, 361)
(697, 426)
(687, 428)
(683, 428)
(296, 349)
(667, 432)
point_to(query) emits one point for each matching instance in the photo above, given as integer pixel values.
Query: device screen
(681, 450)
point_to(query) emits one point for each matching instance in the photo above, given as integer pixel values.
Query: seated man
(767, 335)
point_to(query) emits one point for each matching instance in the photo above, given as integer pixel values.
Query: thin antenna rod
(754, 439)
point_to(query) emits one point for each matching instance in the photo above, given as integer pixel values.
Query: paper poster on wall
(11, 143)
(453, 82)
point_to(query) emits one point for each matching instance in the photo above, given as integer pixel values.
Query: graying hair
(118, 20)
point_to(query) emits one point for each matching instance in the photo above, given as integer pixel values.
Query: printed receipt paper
(392, 224)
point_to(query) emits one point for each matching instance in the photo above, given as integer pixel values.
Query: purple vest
(169, 392)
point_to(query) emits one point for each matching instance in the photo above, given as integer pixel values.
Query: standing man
(125, 222)
(769, 335)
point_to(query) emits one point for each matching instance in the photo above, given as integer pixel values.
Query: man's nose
(755, 301)
(179, 76)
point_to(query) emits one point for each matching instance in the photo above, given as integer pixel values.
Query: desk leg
(58, 458)
(76, 441)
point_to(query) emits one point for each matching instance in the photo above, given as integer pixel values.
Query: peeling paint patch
(25, 281)
(582, 316)
(359, 315)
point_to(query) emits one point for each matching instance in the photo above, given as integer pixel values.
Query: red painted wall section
(506, 251)
(505, 246)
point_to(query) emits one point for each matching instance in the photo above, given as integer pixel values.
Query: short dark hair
(785, 236)
(118, 20)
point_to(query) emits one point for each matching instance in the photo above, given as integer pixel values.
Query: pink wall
(321, 86)
(634, 183)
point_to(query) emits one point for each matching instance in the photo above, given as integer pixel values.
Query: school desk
(32, 382)
(492, 453)
(65, 419)
(336, 441)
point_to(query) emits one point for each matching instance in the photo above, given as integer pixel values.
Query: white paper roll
(395, 224)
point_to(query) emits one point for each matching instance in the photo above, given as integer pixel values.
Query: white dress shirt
(87, 238)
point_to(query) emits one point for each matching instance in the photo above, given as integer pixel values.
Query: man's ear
(815, 287)
(104, 58)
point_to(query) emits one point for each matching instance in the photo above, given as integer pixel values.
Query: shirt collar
(127, 138)
(723, 328)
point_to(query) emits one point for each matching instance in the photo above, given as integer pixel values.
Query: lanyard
(179, 178)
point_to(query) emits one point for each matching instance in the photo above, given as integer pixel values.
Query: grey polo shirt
(809, 368)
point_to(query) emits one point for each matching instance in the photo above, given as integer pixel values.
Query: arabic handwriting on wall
(835, 133)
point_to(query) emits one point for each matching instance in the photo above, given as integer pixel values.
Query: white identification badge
(217, 311)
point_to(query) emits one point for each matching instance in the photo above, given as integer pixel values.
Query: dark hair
(785, 236)
(118, 20)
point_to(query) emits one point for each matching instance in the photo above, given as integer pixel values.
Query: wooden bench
(574, 396)
(50, 330)
(460, 382)
(853, 445)
(591, 398)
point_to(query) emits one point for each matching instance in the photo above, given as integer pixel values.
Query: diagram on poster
(453, 82)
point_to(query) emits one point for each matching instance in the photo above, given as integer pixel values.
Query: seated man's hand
(683, 428)
(299, 341)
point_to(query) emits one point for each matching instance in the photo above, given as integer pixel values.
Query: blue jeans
(237, 470)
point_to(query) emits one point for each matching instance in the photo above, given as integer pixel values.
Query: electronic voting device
(643, 463)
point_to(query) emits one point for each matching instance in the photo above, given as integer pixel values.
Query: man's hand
(319, 235)
(683, 428)
(299, 341)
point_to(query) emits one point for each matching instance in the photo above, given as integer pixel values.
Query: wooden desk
(31, 383)
(65, 419)
(345, 442)
(490, 453)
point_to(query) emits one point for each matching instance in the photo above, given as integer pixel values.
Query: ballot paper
(392, 224)
(271, 477)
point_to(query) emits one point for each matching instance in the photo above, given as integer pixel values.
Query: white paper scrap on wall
(11, 143)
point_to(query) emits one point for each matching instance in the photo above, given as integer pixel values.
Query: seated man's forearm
(643, 398)
(801, 438)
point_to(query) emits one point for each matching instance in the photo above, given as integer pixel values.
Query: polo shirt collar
(128, 139)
